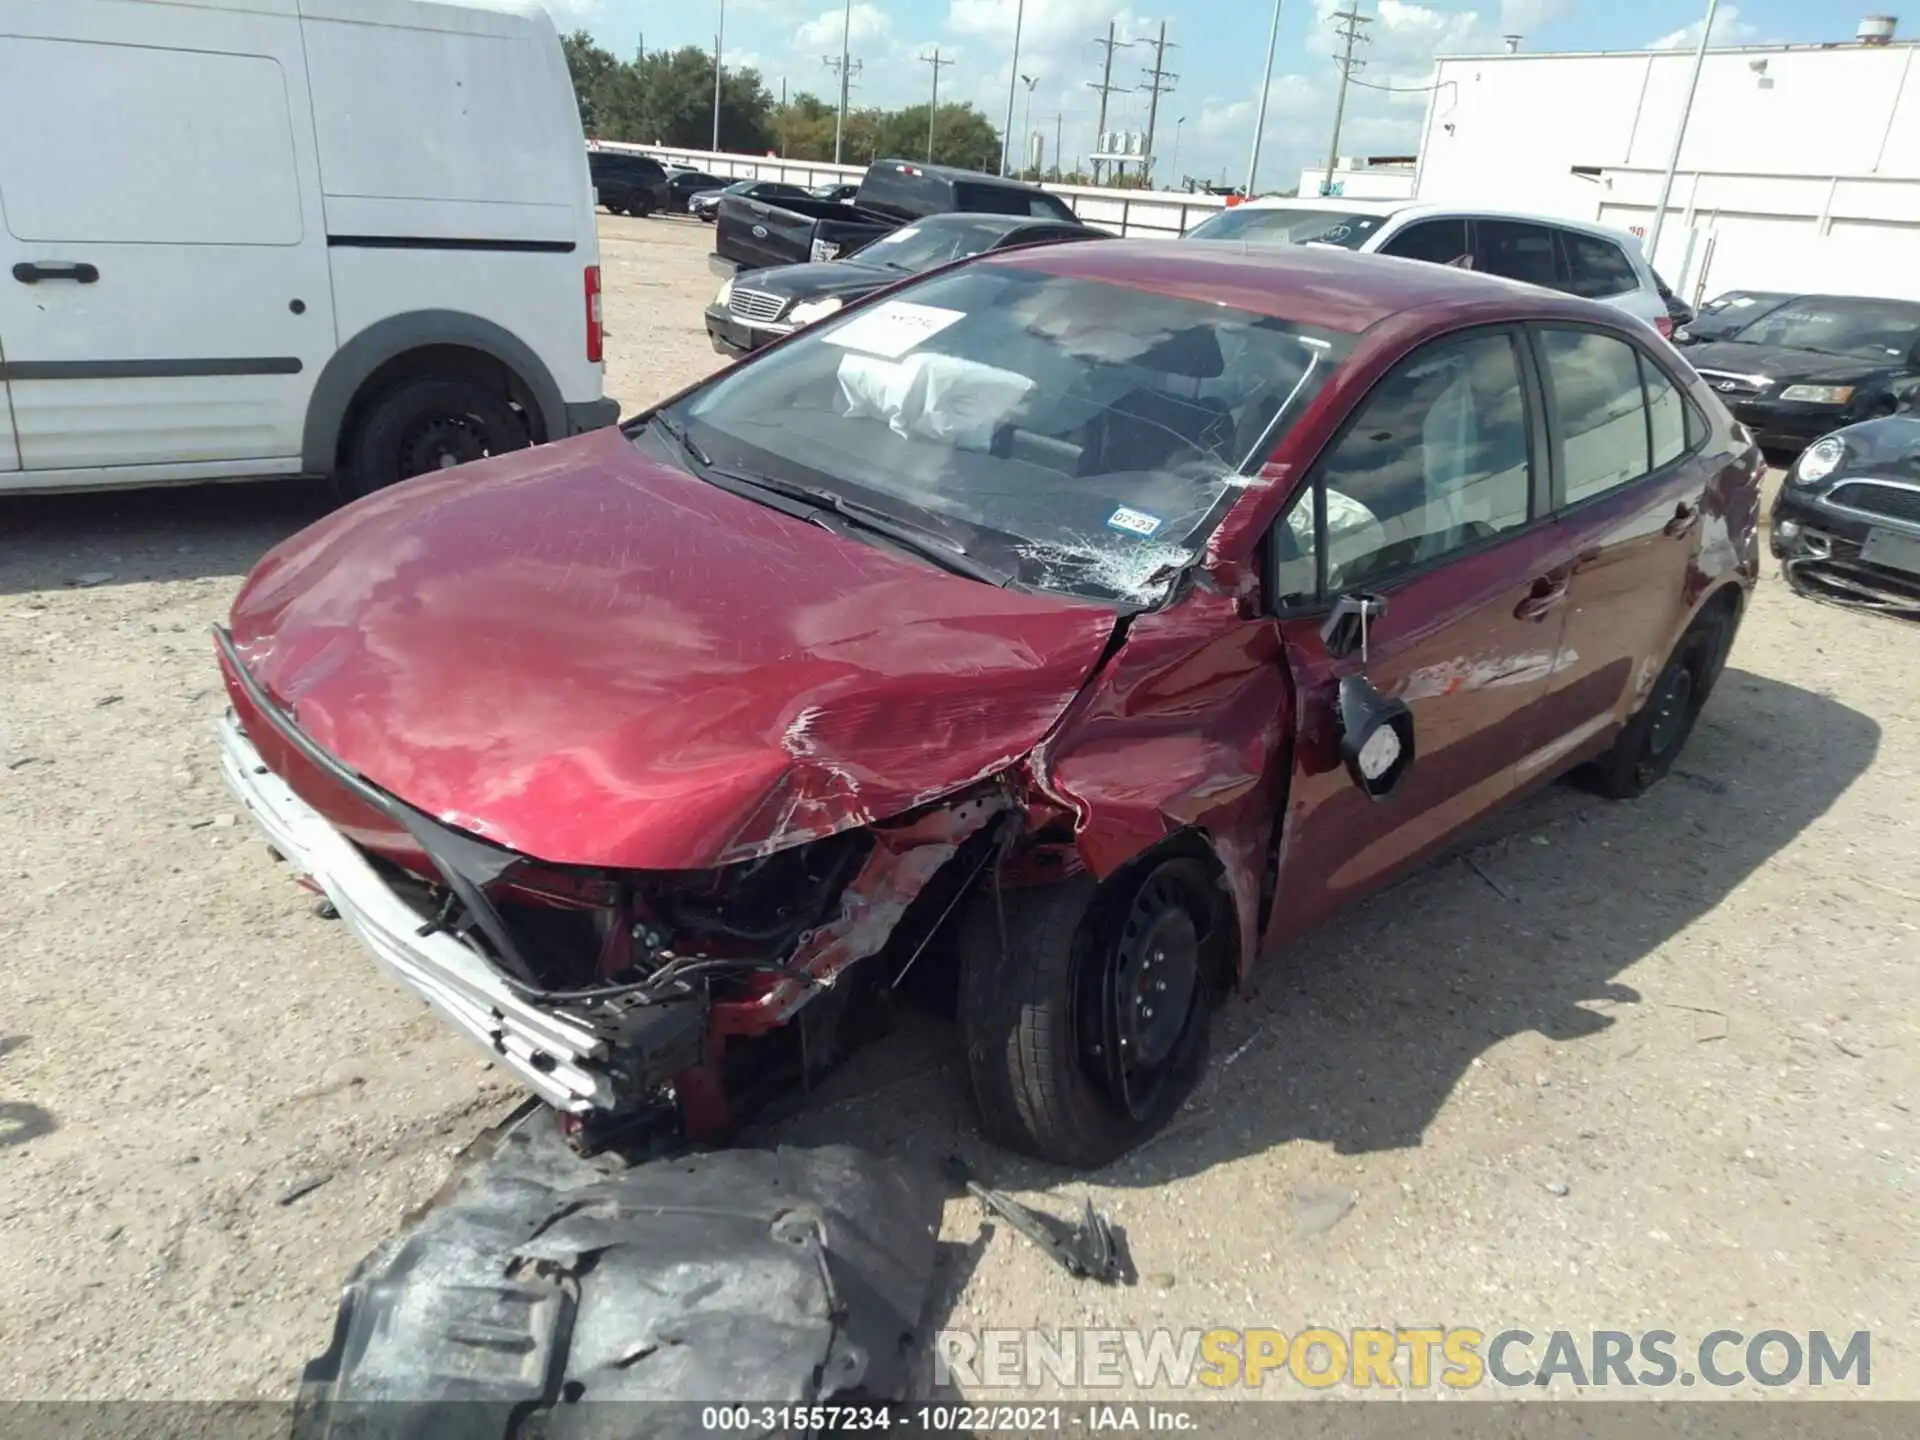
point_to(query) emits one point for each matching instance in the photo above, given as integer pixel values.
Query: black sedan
(834, 192)
(1846, 524)
(1725, 316)
(703, 204)
(683, 185)
(1814, 364)
(760, 306)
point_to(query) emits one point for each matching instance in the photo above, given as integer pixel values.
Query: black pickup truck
(753, 234)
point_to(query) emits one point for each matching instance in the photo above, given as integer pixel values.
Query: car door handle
(1685, 516)
(31, 273)
(1543, 599)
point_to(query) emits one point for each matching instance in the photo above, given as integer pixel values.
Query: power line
(1106, 87)
(933, 106)
(1350, 27)
(1159, 82)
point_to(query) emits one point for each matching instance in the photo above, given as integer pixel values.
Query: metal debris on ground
(1085, 1250)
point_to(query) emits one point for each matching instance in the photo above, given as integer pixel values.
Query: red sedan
(1086, 619)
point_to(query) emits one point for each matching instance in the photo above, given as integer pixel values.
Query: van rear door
(168, 301)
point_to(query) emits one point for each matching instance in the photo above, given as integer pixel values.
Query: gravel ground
(1647, 1065)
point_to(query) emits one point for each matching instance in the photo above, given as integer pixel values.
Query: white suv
(1591, 261)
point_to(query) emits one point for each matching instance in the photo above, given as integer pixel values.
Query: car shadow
(120, 537)
(20, 1121)
(1356, 1035)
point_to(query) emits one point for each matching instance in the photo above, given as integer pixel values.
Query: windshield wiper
(927, 544)
(677, 433)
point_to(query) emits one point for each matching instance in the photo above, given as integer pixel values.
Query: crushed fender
(546, 1286)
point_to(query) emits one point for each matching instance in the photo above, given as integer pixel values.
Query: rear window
(1597, 268)
(1288, 225)
(903, 191)
(1008, 200)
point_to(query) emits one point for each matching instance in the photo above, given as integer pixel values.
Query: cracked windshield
(1026, 419)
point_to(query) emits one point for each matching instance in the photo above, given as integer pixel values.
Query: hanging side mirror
(1376, 737)
(1376, 734)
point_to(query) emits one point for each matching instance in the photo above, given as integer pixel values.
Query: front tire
(424, 425)
(1085, 1018)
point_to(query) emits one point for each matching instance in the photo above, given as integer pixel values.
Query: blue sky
(1217, 49)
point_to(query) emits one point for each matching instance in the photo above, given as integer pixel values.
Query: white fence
(1137, 214)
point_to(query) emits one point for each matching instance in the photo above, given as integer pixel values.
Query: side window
(1051, 207)
(1440, 241)
(1667, 415)
(1594, 382)
(1436, 459)
(1597, 268)
(1517, 250)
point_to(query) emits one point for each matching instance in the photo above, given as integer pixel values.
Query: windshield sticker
(892, 329)
(894, 237)
(1742, 302)
(1134, 522)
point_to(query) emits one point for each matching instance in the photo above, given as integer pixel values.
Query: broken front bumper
(559, 1059)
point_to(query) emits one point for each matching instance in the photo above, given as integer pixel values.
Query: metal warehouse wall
(1801, 168)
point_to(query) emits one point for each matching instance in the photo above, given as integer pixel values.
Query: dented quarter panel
(595, 659)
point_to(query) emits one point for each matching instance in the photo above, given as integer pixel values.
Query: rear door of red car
(1435, 496)
(1630, 481)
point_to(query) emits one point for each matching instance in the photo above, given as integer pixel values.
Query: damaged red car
(1087, 619)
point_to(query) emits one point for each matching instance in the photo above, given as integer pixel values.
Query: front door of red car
(1434, 497)
(1629, 499)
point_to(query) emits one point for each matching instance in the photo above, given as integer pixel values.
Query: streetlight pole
(718, 40)
(1266, 84)
(1026, 134)
(1013, 80)
(1680, 133)
(846, 45)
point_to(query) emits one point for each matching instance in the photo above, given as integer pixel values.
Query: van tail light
(596, 334)
(1665, 326)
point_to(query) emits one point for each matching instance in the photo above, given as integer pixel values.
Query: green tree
(962, 136)
(666, 98)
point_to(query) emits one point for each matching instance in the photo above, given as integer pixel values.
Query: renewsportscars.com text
(1412, 1357)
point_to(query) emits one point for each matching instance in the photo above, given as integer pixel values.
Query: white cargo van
(244, 238)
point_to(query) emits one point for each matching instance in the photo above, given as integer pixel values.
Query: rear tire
(1653, 739)
(1034, 996)
(424, 425)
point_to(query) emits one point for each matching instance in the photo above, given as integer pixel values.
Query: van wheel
(641, 207)
(1654, 738)
(426, 425)
(1085, 1024)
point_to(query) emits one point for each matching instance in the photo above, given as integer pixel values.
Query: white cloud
(862, 26)
(1728, 29)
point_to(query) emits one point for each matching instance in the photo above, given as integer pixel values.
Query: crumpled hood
(593, 658)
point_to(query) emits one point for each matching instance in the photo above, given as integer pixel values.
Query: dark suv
(628, 184)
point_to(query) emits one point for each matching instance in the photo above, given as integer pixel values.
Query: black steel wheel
(422, 426)
(1086, 1010)
(1653, 739)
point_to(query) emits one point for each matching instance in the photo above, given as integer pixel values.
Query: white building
(1800, 167)
(1360, 178)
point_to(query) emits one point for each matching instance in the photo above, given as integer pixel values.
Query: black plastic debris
(1085, 1250)
(554, 1296)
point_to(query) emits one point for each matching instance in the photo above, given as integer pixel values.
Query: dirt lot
(1650, 1065)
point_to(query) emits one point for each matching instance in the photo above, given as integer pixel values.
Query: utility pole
(1680, 132)
(1026, 135)
(1106, 87)
(1260, 119)
(1013, 79)
(846, 41)
(718, 39)
(1059, 119)
(933, 105)
(1352, 30)
(1159, 82)
(848, 68)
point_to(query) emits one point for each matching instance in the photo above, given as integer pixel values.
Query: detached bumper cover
(1820, 549)
(742, 1277)
(557, 1058)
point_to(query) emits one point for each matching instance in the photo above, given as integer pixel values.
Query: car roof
(954, 173)
(1320, 286)
(1335, 204)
